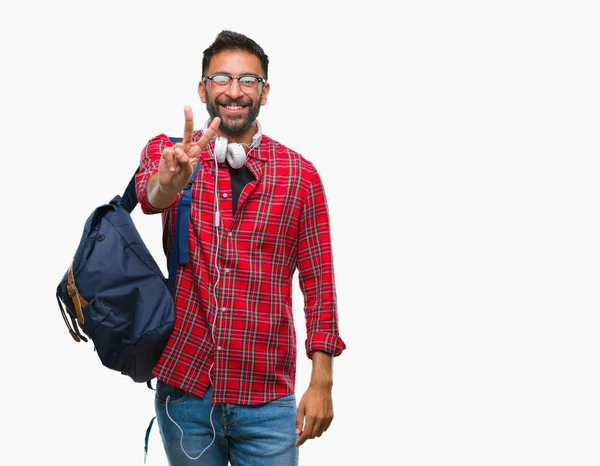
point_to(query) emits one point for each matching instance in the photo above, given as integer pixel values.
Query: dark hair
(229, 40)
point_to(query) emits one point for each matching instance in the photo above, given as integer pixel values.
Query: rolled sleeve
(149, 161)
(326, 342)
(316, 276)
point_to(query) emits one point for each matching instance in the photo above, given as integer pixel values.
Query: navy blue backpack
(116, 293)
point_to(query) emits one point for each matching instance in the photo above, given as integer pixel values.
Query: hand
(177, 163)
(316, 406)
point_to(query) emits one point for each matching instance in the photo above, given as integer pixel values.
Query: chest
(257, 200)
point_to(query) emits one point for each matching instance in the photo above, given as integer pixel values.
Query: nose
(234, 90)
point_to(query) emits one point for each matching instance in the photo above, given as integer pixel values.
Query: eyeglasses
(247, 81)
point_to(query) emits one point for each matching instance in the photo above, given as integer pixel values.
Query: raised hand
(177, 163)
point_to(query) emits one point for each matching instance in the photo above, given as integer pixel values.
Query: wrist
(159, 197)
(321, 382)
(322, 373)
(168, 191)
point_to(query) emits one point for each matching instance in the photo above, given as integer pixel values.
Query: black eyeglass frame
(258, 78)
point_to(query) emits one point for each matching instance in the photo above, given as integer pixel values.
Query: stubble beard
(236, 125)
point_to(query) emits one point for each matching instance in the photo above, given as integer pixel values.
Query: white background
(458, 144)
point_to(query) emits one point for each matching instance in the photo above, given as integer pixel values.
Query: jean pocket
(288, 400)
(174, 394)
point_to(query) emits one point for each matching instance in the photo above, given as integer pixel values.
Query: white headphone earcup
(257, 136)
(220, 149)
(236, 155)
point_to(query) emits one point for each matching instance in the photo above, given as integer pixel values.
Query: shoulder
(155, 145)
(283, 156)
(160, 139)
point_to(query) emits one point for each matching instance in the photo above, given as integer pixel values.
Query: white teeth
(233, 107)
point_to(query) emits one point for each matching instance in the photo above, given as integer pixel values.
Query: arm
(315, 265)
(166, 170)
(316, 276)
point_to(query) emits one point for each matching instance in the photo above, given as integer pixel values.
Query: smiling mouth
(233, 108)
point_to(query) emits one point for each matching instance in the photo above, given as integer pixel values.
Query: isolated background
(458, 144)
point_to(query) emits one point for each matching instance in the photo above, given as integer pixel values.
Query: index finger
(210, 132)
(188, 129)
(306, 433)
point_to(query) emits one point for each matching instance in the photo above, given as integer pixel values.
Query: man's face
(235, 104)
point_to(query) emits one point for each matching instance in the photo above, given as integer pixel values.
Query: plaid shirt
(240, 274)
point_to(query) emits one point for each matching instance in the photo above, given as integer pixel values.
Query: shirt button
(220, 348)
(224, 194)
(227, 270)
(230, 234)
(223, 309)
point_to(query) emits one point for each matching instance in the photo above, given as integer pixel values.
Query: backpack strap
(129, 198)
(147, 437)
(180, 250)
(73, 330)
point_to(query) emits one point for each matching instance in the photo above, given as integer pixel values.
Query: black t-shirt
(240, 177)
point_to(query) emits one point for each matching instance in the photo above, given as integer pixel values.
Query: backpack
(115, 292)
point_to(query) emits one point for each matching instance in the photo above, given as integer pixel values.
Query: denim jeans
(255, 435)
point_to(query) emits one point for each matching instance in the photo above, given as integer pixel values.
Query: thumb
(187, 170)
(300, 418)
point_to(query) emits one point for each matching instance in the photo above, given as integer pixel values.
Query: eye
(221, 79)
(248, 80)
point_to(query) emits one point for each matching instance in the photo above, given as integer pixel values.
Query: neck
(243, 137)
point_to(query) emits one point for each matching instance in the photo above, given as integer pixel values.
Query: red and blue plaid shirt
(240, 274)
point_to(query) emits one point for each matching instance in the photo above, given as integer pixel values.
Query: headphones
(234, 152)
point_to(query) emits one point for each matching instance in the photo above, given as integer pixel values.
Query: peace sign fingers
(193, 149)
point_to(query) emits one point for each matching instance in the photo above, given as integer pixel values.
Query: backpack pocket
(110, 331)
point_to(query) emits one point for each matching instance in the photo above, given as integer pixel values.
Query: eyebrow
(246, 73)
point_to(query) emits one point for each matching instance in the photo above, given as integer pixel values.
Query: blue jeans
(256, 435)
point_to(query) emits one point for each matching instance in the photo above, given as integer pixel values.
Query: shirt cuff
(326, 342)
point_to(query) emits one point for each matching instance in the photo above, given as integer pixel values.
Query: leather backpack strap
(78, 301)
(73, 330)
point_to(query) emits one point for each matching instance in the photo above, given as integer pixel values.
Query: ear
(202, 91)
(265, 93)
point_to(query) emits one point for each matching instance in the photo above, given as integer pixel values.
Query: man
(226, 379)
